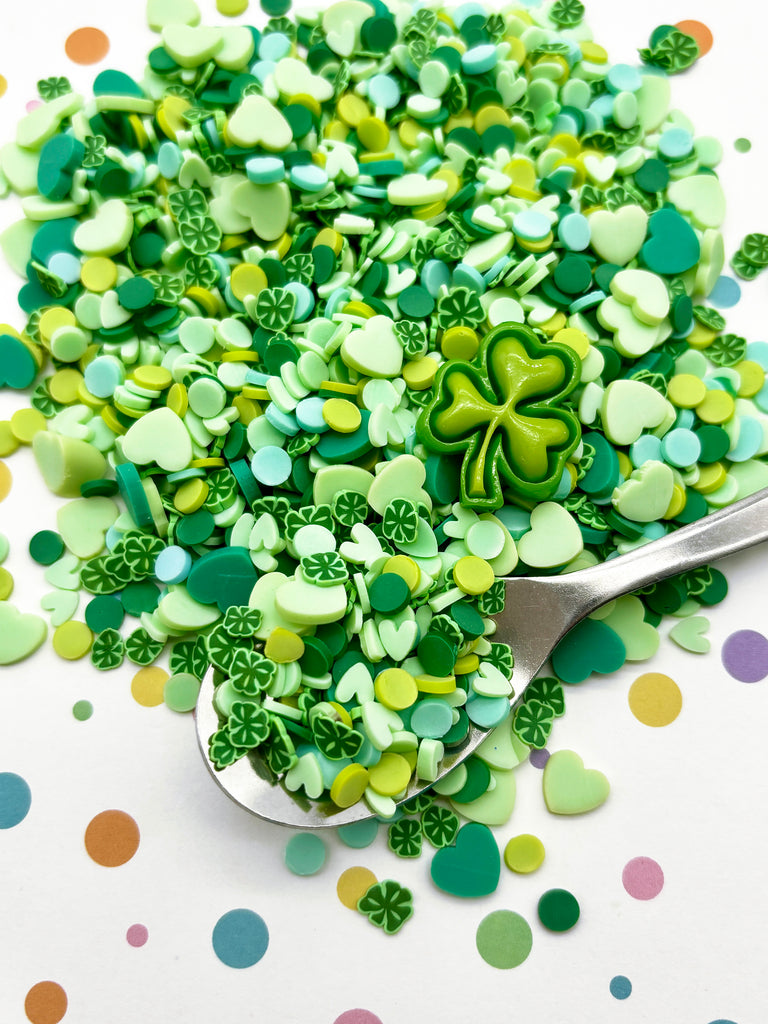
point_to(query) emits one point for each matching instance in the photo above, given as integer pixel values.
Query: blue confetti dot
(15, 799)
(722, 1020)
(726, 292)
(621, 987)
(240, 938)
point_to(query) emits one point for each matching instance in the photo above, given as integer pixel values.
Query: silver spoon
(538, 613)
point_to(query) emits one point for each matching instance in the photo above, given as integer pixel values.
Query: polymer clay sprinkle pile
(333, 324)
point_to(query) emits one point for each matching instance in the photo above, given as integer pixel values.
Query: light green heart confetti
(83, 524)
(61, 605)
(20, 634)
(569, 787)
(689, 634)
(640, 638)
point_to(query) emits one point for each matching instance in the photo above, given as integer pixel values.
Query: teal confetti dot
(305, 853)
(621, 987)
(240, 938)
(358, 834)
(15, 799)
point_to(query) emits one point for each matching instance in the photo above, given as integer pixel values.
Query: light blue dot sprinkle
(726, 292)
(271, 465)
(621, 987)
(15, 799)
(240, 938)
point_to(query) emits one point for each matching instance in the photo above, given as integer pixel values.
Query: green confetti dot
(742, 145)
(558, 910)
(504, 939)
(82, 710)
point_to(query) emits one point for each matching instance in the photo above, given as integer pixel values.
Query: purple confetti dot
(137, 935)
(539, 758)
(745, 656)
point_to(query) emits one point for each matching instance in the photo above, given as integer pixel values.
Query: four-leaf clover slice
(387, 904)
(533, 723)
(248, 724)
(404, 837)
(439, 825)
(503, 411)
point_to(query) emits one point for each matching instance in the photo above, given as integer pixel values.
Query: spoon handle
(722, 533)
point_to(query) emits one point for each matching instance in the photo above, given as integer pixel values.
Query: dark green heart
(589, 647)
(471, 867)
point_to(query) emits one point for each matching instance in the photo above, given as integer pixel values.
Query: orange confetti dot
(655, 699)
(147, 686)
(112, 838)
(46, 1003)
(700, 32)
(3, 84)
(87, 46)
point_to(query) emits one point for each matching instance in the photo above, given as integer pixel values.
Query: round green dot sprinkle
(742, 145)
(104, 613)
(82, 710)
(46, 547)
(558, 910)
(305, 853)
(180, 692)
(504, 939)
(388, 594)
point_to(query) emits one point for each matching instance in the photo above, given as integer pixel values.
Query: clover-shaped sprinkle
(696, 581)
(96, 578)
(492, 601)
(460, 306)
(450, 245)
(222, 490)
(141, 648)
(51, 88)
(400, 522)
(41, 400)
(300, 267)
(439, 825)
(275, 308)
(200, 235)
(547, 690)
(168, 289)
(422, 23)
(201, 272)
(418, 803)
(281, 753)
(307, 515)
(222, 752)
(335, 739)
(220, 648)
(503, 412)
(727, 350)
(239, 620)
(419, 50)
(387, 904)
(412, 337)
(325, 569)
(533, 723)
(185, 203)
(95, 151)
(500, 656)
(108, 650)
(443, 625)
(248, 724)
(404, 837)
(139, 551)
(189, 656)
(567, 13)
(251, 672)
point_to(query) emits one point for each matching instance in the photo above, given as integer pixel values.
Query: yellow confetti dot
(404, 567)
(655, 699)
(72, 640)
(524, 854)
(98, 274)
(686, 391)
(64, 385)
(283, 646)
(396, 689)
(349, 785)
(6, 584)
(574, 339)
(147, 686)
(155, 378)
(677, 504)
(419, 374)
(390, 775)
(341, 415)
(231, 8)
(3, 84)
(352, 109)
(473, 575)
(5, 481)
(717, 407)
(489, 115)
(177, 399)
(8, 443)
(54, 318)
(353, 884)
(25, 423)
(751, 378)
(247, 279)
(373, 133)
(466, 664)
(711, 478)
(190, 496)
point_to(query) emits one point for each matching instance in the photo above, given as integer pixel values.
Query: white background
(691, 795)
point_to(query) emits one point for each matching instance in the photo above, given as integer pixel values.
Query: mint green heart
(20, 634)
(495, 806)
(61, 605)
(472, 867)
(554, 538)
(646, 495)
(569, 787)
(83, 524)
(627, 620)
(689, 634)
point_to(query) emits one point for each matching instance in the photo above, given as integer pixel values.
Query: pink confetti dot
(643, 878)
(137, 935)
(357, 1017)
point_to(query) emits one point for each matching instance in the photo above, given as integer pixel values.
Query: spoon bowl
(538, 613)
